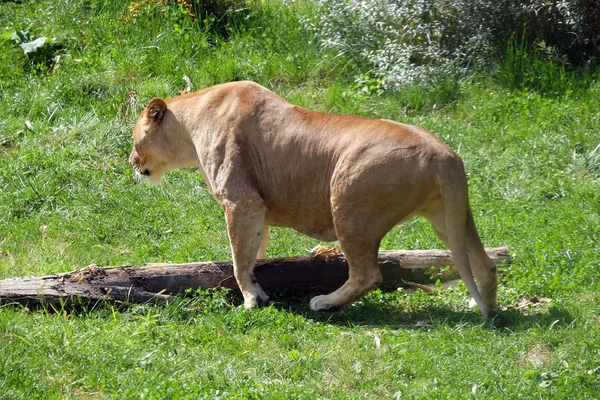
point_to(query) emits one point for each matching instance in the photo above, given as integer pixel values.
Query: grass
(68, 199)
(202, 347)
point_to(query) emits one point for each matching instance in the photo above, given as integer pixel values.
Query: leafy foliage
(217, 17)
(411, 41)
(42, 52)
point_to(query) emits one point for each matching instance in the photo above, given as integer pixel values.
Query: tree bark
(160, 282)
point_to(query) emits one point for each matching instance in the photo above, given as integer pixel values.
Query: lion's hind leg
(361, 252)
(482, 267)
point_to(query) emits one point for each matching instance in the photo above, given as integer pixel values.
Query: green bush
(414, 41)
(219, 17)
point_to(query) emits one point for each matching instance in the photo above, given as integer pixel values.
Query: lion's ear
(156, 110)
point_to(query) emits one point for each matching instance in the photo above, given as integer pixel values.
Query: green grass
(68, 198)
(203, 347)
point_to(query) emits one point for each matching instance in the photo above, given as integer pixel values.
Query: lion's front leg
(245, 225)
(264, 243)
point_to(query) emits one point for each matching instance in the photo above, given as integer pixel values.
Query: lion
(328, 176)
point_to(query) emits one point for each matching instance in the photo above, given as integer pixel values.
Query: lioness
(331, 177)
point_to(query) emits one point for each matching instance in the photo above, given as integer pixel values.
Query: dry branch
(297, 275)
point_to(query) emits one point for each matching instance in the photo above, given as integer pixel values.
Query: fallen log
(322, 272)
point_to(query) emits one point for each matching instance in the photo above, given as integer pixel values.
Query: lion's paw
(260, 293)
(322, 303)
(472, 303)
(250, 302)
(256, 297)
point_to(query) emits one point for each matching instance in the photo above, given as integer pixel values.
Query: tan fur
(331, 177)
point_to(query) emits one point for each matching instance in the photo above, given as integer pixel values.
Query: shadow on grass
(376, 314)
(367, 313)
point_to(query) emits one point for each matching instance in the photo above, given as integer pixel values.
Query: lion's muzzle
(136, 163)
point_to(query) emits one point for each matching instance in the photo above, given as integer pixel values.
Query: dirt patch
(536, 356)
(528, 306)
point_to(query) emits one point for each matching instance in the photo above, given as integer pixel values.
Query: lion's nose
(134, 159)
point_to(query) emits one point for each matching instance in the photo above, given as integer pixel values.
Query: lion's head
(159, 143)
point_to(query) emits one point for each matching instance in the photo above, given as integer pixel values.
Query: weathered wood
(159, 282)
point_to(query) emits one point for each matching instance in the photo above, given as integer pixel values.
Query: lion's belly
(327, 235)
(317, 224)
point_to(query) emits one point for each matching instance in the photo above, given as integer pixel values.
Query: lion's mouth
(139, 171)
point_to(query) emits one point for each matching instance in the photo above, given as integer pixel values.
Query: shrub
(214, 16)
(412, 41)
(42, 53)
